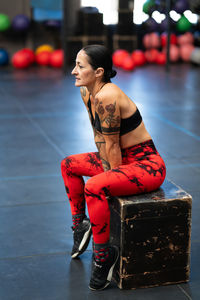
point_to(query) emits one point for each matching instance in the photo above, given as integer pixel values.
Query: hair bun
(111, 73)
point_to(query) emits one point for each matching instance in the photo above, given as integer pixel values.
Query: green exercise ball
(4, 22)
(183, 24)
(148, 7)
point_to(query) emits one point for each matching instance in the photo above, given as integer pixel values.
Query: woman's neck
(94, 89)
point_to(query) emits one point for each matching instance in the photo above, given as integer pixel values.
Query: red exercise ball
(161, 58)
(20, 60)
(151, 55)
(186, 51)
(128, 63)
(119, 56)
(151, 40)
(186, 38)
(138, 57)
(155, 40)
(43, 58)
(173, 39)
(174, 53)
(30, 53)
(57, 58)
(147, 41)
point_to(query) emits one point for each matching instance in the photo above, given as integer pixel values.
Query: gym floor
(42, 120)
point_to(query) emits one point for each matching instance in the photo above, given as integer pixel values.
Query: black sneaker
(82, 234)
(102, 272)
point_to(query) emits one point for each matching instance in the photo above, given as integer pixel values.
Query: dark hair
(99, 56)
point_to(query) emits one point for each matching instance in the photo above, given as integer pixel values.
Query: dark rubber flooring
(42, 120)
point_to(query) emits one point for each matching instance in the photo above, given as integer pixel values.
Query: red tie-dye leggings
(142, 170)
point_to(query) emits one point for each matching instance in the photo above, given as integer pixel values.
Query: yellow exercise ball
(44, 47)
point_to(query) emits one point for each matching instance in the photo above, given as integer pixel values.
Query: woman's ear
(99, 72)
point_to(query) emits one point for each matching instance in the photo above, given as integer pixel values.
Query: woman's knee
(91, 187)
(66, 164)
(93, 190)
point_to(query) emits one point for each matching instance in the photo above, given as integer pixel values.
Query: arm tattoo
(99, 144)
(111, 130)
(111, 119)
(83, 91)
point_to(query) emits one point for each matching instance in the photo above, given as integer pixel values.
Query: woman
(126, 163)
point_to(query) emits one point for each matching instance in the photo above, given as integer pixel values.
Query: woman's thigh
(84, 164)
(134, 178)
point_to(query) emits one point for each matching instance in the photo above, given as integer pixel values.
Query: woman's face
(83, 71)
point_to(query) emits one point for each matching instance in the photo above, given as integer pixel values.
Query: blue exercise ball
(20, 23)
(151, 25)
(4, 57)
(164, 25)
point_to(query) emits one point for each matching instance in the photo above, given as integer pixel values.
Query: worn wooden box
(153, 234)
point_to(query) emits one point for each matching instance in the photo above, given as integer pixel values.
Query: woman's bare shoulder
(109, 91)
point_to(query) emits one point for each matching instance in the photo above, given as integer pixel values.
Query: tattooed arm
(84, 94)
(85, 97)
(109, 115)
(101, 146)
(107, 144)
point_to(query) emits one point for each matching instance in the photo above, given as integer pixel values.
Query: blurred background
(49, 33)
(155, 47)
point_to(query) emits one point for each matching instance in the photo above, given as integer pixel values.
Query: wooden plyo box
(153, 232)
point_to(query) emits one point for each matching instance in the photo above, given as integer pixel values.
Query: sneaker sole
(84, 243)
(109, 277)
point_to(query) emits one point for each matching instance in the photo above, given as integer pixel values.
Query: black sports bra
(127, 124)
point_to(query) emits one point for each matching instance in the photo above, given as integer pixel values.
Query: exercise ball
(57, 58)
(151, 55)
(147, 41)
(174, 53)
(45, 47)
(183, 24)
(20, 23)
(195, 56)
(4, 57)
(173, 39)
(186, 38)
(155, 40)
(43, 58)
(148, 7)
(185, 52)
(30, 54)
(119, 56)
(138, 57)
(151, 25)
(161, 58)
(128, 63)
(20, 60)
(4, 22)
(180, 6)
(151, 40)
(164, 24)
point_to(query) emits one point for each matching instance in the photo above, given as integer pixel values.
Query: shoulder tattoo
(112, 120)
